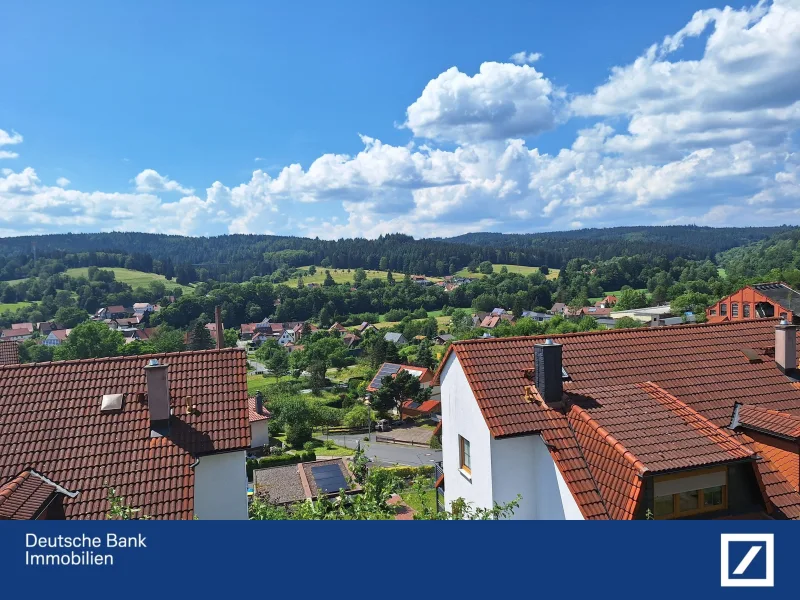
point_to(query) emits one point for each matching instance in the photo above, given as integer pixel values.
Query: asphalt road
(391, 454)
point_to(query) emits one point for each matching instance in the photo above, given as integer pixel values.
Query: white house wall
(501, 468)
(461, 416)
(259, 432)
(220, 487)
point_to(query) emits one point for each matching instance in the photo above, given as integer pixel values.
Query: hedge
(277, 461)
(411, 472)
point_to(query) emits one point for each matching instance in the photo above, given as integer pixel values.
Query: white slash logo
(756, 568)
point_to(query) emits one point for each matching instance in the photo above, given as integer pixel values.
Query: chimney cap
(548, 342)
(153, 362)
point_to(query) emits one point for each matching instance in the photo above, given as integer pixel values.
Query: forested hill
(687, 241)
(239, 257)
(779, 252)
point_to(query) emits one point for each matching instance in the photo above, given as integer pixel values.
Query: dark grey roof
(393, 337)
(281, 484)
(386, 370)
(781, 294)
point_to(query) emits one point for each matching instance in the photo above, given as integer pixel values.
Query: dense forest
(237, 258)
(686, 241)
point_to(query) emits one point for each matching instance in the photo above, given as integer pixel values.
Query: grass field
(553, 274)
(344, 276)
(616, 293)
(14, 306)
(442, 321)
(132, 278)
(259, 382)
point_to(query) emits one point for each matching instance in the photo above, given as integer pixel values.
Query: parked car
(383, 425)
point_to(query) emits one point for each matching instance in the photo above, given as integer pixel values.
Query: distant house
(143, 307)
(15, 335)
(610, 300)
(391, 369)
(263, 325)
(259, 421)
(559, 308)
(338, 328)
(115, 312)
(496, 312)
(286, 337)
(478, 318)
(490, 322)
(443, 338)
(594, 311)
(350, 340)
(421, 409)
(395, 338)
(421, 280)
(758, 301)
(45, 327)
(364, 327)
(29, 327)
(57, 337)
(246, 330)
(536, 316)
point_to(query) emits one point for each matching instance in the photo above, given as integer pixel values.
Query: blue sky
(195, 112)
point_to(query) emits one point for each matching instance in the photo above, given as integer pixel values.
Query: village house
(247, 330)
(168, 432)
(443, 338)
(143, 307)
(57, 337)
(259, 421)
(559, 308)
(338, 329)
(705, 425)
(536, 316)
(395, 338)
(15, 335)
(29, 327)
(364, 327)
(424, 375)
(112, 312)
(757, 301)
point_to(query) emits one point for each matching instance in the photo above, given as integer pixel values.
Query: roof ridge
(661, 393)
(612, 441)
(623, 331)
(123, 357)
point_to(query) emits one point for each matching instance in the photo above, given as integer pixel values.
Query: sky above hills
(427, 118)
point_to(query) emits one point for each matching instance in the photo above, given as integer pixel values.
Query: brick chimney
(547, 372)
(259, 402)
(786, 347)
(218, 322)
(157, 392)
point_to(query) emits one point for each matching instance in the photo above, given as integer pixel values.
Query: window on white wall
(464, 454)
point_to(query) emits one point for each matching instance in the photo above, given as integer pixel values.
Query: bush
(436, 443)
(278, 461)
(276, 451)
(308, 446)
(298, 434)
(274, 428)
(411, 472)
(329, 444)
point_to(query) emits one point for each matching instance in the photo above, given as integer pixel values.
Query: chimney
(259, 402)
(786, 347)
(547, 371)
(218, 322)
(157, 392)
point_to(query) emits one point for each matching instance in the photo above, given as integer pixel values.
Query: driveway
(390, 454)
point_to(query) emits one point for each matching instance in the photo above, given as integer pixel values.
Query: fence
(391, 440)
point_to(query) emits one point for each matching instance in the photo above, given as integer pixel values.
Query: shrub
(411, 472)
(276, 450)
(308, 446)
(298, 434)
(329, 444)
(436, 443)
(274, 428)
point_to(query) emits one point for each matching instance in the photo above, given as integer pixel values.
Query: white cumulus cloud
(150, 180)
(525, 58)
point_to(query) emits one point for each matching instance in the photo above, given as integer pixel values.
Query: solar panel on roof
(386, 370)
(329, 479)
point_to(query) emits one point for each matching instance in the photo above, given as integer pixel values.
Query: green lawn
(344, 276)
(553, 274)
(413, 499)
(14, 306)
(321, 450)
(442, 321)
(259, 382)
(132, 278)
(358, 370)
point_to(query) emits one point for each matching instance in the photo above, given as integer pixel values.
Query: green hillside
(132, 278)
(553, 274)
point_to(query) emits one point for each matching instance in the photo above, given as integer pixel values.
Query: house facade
(180, 421)
(757, 301)
(566, 423)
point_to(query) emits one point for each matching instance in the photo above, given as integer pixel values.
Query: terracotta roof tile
(253, 414)
(50, 420)
(9, 352)
(768, 420)
(24, 496)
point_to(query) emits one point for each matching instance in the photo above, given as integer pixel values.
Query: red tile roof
(697, 373)
(24, 496)
(770, 421)
(50, 420)
(117, 309)
(255, 415)
(9, 352)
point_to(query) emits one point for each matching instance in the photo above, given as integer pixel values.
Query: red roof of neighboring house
(26, 326)
(51, 421)
(697, 373)
(338, 327)
(26, 495)
(61, 334)
(255, 415)
(391, 369)
(14, 333)
(248, 328)
(117, 309)
(9, 352)
(490, 322)
(769, 421)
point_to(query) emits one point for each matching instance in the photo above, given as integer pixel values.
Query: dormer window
(723, 309)
(682, 495)
(746, 311)
(734, 310)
